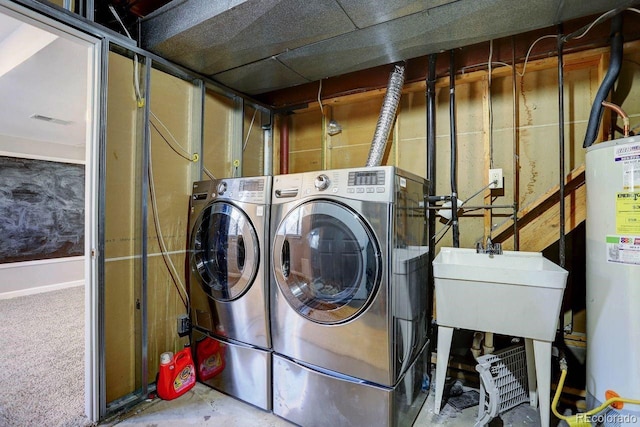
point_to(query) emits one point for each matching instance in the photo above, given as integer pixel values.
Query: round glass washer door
(224, 251)
(326, 261)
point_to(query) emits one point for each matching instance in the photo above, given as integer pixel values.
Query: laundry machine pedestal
(236, 369)
(312, 397)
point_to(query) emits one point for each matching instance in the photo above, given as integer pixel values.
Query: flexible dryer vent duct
(387, 116)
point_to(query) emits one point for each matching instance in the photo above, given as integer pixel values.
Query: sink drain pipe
(562, 238)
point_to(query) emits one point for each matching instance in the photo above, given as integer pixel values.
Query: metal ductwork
(257, 46)
(387, 116)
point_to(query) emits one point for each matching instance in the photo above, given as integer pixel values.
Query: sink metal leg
(445, 335)
(531, 372)
(542, 352)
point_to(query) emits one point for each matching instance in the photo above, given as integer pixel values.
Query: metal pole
(144, 306)
(284, 143)
(267, 139)
(516, 150)
(431, 176)
(561, 145)
(454, 157)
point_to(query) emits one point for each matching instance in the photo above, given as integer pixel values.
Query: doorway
(48, 134)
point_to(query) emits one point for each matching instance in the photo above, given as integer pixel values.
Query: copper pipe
(621, 113)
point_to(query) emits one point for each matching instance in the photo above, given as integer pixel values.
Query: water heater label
(627, 152)
(628, 213)
(623, 249)
(631, 175)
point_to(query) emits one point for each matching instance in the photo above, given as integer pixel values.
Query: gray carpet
(42, 359)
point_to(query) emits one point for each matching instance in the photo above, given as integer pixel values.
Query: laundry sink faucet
(490, 248)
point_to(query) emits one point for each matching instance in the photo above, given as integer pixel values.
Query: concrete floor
(203, 406)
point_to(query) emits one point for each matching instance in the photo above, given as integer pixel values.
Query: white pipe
(488, 347)
(476, 350)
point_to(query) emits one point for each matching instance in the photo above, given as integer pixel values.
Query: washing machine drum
(327, 262)
(224, 251)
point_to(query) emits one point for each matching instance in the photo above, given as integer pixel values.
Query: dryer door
(326, 261)
(224, 251)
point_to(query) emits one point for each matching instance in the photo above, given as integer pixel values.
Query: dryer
(349, 291)
(228, 286)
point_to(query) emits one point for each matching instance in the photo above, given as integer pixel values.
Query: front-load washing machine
(349, 293)
(228, 287)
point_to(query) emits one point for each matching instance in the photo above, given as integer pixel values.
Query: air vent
(51, 120)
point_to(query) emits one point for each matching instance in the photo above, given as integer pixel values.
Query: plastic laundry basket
(503, 382)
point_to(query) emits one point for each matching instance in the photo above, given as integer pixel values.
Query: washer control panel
(251, 190)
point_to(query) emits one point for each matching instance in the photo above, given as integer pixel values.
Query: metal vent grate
(50, 119)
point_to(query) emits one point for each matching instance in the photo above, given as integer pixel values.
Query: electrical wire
(208, 173)
(490, 102)
(598, 20)
(443, 231)
(175, 277)
(319, 100)
(188, 156)
(526, 58)
(115, 14)
(246, 140)
(136, 65)
(481, 64)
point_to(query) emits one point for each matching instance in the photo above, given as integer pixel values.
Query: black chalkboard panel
(41, 209)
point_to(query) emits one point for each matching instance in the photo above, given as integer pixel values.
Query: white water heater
(613, 277)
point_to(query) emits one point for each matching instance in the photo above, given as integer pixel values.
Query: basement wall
(493, 131)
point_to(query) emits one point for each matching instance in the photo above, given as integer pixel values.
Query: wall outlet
(184, 325)
(495, 179)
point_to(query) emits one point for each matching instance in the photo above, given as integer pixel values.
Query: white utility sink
(513, 293)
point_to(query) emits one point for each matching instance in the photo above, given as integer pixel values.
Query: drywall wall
(41, 219)
(30, 277)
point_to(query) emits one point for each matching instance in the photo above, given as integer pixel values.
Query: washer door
(224, 251)
(326, 261)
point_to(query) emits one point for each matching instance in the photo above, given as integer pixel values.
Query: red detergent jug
(210, 358)
(177, 374)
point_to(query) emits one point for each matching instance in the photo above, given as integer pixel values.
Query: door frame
(93, 44)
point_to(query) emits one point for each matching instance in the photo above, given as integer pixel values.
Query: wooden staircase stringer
(538, 224)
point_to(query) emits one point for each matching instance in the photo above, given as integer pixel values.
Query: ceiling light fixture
(21, 45)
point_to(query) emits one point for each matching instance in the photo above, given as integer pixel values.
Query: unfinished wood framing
(532, 144)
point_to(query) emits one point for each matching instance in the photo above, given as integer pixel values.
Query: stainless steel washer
(228, 287)
(349, 285)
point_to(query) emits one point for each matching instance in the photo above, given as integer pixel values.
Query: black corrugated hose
(609, 79)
